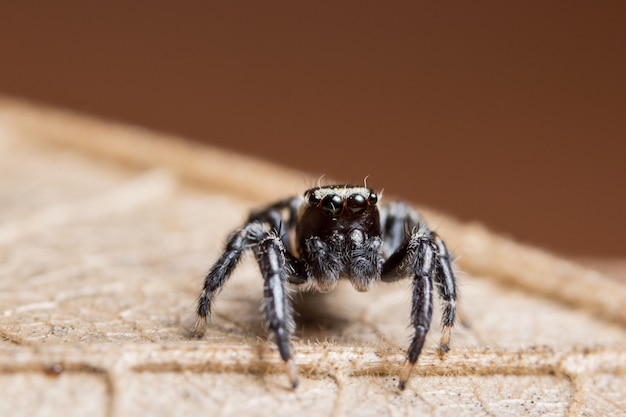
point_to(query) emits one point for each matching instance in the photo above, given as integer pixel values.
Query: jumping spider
(339, 233)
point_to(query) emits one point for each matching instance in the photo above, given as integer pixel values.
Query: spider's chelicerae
(340, 232)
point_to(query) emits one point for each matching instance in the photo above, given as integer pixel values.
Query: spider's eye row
(313, 200)
(332, 204)
(356, 203)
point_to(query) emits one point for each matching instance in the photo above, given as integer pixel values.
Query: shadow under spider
(318, 316)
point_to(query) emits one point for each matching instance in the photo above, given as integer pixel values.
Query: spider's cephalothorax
(339, 232)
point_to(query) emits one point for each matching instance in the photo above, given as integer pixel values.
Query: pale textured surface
(102, 255)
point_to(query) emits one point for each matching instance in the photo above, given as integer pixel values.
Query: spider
(340, 232)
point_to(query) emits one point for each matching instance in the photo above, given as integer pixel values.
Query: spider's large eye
(356, 203)
(332, 204)
(312, 199)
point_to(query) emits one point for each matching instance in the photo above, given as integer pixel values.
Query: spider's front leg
(278, 266)
(422, 301)
(424, 256)
(271, 256)
(241, 239)
(431, 260)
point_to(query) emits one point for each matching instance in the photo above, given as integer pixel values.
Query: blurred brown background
(510, 114)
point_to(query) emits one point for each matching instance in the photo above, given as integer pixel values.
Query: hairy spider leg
(217, 276)
(271, 258)
(278, 266)
(424, 255)
(446, 284)
(398, 221)
(274, 217)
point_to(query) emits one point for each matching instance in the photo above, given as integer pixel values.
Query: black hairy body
(340, 233)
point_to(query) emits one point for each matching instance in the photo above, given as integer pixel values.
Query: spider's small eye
(332, 204)
(313, 200)
(356, 203)
(373, 198)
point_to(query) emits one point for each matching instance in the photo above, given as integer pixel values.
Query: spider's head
(339, 208)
